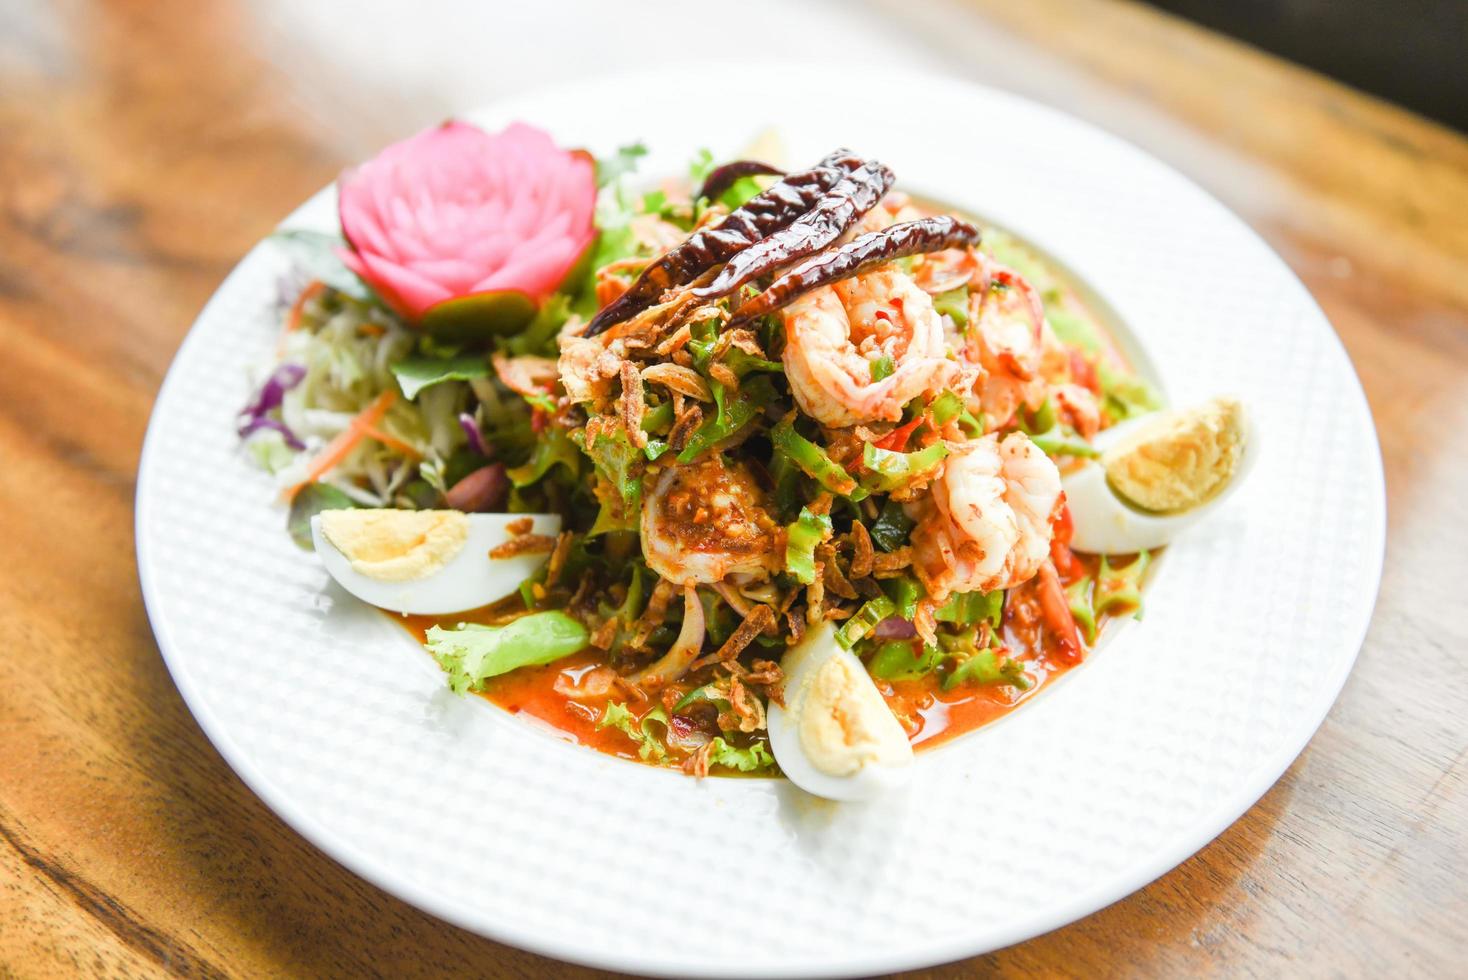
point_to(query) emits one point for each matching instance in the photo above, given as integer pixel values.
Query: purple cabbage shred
(255, 415)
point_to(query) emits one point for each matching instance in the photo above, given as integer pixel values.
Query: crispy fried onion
(683, 380)
(526, 374)
(632, 404)
(657, 610)
(525, 544)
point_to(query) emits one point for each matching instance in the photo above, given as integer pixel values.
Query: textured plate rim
(1120, 884)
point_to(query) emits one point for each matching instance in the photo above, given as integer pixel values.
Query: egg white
(1105, 524)
(468, 580)
(800, 664)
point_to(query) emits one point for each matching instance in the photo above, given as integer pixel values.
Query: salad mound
(759, 403)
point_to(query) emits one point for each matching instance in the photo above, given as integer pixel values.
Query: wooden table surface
(144, 147)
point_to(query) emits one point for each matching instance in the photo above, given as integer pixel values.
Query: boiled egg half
(835, 737)
(428, 562)
(1159, 474)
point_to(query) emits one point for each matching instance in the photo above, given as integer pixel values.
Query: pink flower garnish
(456, 212)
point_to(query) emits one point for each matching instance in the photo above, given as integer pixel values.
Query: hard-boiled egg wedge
(427, 562)
(835, 736)
(1159, 474)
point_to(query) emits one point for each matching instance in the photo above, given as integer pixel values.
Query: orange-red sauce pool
(930, 714)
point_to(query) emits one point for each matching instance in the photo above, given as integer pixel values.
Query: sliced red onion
(480, 491)
(472, 433)
(894, 628)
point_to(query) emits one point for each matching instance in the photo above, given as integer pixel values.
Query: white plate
(1104, 782)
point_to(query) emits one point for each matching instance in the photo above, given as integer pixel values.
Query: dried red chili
(720, 179)
(766, 213)
(857, 256)
(841, 207)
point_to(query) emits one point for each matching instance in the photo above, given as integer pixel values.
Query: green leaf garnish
(471, 653)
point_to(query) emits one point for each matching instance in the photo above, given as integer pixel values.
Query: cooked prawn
(1006, 324)
(988, 519)
(834, 336)
(707, 520)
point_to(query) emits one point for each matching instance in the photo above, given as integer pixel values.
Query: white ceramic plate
(1130, 764)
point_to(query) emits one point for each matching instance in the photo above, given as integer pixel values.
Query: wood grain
(146, 146)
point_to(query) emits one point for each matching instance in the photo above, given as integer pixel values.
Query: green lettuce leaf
(650, 745)
(752, 759)
(471, 654)
(553, 448)
(418, 371)
(733, 414)
(309, 501)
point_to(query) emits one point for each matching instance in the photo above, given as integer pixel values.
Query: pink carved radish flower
(465, 232)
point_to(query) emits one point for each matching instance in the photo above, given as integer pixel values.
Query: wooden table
(144, 147)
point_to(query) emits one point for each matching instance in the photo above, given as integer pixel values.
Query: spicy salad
(740, 470)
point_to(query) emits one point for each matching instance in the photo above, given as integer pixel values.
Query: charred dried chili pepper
(841, 207)
(720, 179)
(763, 214)
(859, 255)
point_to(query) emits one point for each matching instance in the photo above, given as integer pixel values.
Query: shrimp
(707, 520)
(1005, 337)
(834, 336)
(988, 519)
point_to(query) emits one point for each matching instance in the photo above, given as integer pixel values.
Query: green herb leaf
(309, 501)
(418, 371)
(623, 162)
(892, 527)
(881, 368)
(471, 653)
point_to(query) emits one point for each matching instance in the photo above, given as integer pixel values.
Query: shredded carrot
(293, 318)
(371, 330)
(363, 426)
(387, 439)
